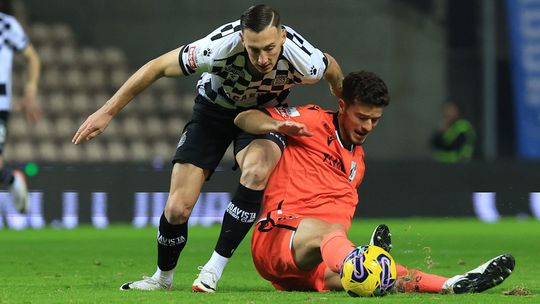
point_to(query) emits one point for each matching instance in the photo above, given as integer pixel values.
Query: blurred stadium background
(481, 54)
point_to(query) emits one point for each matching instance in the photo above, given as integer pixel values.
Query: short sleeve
(310, 62)
(199, 56)
(14, 34)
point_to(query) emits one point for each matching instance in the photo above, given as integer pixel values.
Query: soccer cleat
(147, 283)
(206, 281)
(19, 191)
(483, 277)
(382, 237)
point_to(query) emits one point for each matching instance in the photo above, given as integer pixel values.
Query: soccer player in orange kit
(300, 240)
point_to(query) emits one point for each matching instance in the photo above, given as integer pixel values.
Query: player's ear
(341, 104)
(242, 38)
(283, 35)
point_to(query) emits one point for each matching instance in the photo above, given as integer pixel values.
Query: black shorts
(209, 133)
(4, 117)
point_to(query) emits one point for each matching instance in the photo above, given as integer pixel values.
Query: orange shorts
(271, 249)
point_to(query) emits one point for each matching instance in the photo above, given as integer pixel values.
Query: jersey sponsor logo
(280, 80)
(241, 215)
(287, 111)
(192, 60)
(352, 174)
(170, 242)
(334, 162)
(234, 72)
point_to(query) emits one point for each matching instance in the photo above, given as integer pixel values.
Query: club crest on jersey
(352, 174)
(234, 72)
(279, 80)
(288, 111)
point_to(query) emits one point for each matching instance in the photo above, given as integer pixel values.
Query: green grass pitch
(86, 265)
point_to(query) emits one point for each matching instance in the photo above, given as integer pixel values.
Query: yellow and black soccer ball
(368, 271)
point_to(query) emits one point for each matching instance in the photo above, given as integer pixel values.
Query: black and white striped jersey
(222, 60)
(12, 38)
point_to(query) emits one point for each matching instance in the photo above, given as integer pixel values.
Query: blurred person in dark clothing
(455, 141)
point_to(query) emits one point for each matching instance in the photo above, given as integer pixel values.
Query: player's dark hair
(365, 87)
(259, 17)
(6, 7)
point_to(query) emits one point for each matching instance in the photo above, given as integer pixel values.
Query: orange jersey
(316, 176)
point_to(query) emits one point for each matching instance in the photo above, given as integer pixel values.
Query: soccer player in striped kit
(14, 39)
(249, 63)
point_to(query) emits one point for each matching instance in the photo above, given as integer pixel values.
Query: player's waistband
(272, 219)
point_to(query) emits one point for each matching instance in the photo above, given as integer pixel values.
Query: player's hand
(293, 128)
(94, 125)
(31, 109)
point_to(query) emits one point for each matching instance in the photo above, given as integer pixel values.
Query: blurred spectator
(455, 141)
(14, 39)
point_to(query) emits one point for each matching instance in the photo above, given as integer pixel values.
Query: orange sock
(334, 248)
(412, 280)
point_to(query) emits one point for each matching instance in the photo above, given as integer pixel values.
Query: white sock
(163, 276)
(218, 262)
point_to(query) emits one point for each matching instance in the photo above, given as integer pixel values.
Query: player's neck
(341, 132)
(253, 71)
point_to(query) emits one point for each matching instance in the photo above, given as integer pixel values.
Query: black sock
(171, 240)
(240, 215)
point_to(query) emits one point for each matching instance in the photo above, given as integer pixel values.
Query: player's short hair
(365, 87)
(259, 17)
(6, 7)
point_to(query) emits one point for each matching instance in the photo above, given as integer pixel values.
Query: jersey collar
(338, 135)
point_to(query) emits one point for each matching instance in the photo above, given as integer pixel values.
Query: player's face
(357, 120)
(263, 48)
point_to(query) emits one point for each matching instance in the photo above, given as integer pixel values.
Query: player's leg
(316, 240)
(203, 142)
(256, 157)
(186, 184)
(485, 276)
(413, 280)
(14, 180)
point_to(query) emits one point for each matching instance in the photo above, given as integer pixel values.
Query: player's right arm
(165, 65)
(258, 122)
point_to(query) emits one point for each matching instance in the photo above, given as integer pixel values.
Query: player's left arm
(258, 122)
(334, 76)
(29, 102)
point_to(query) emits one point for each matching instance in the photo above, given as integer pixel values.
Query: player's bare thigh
(186, 184)
(307, 241)
(257, 160)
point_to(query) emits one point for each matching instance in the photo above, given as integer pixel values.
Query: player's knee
(177, 213)
(255, 176)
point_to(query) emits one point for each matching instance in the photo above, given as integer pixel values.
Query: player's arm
(258, 122)
(334, 76)
(163, 66)
(29, 101)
